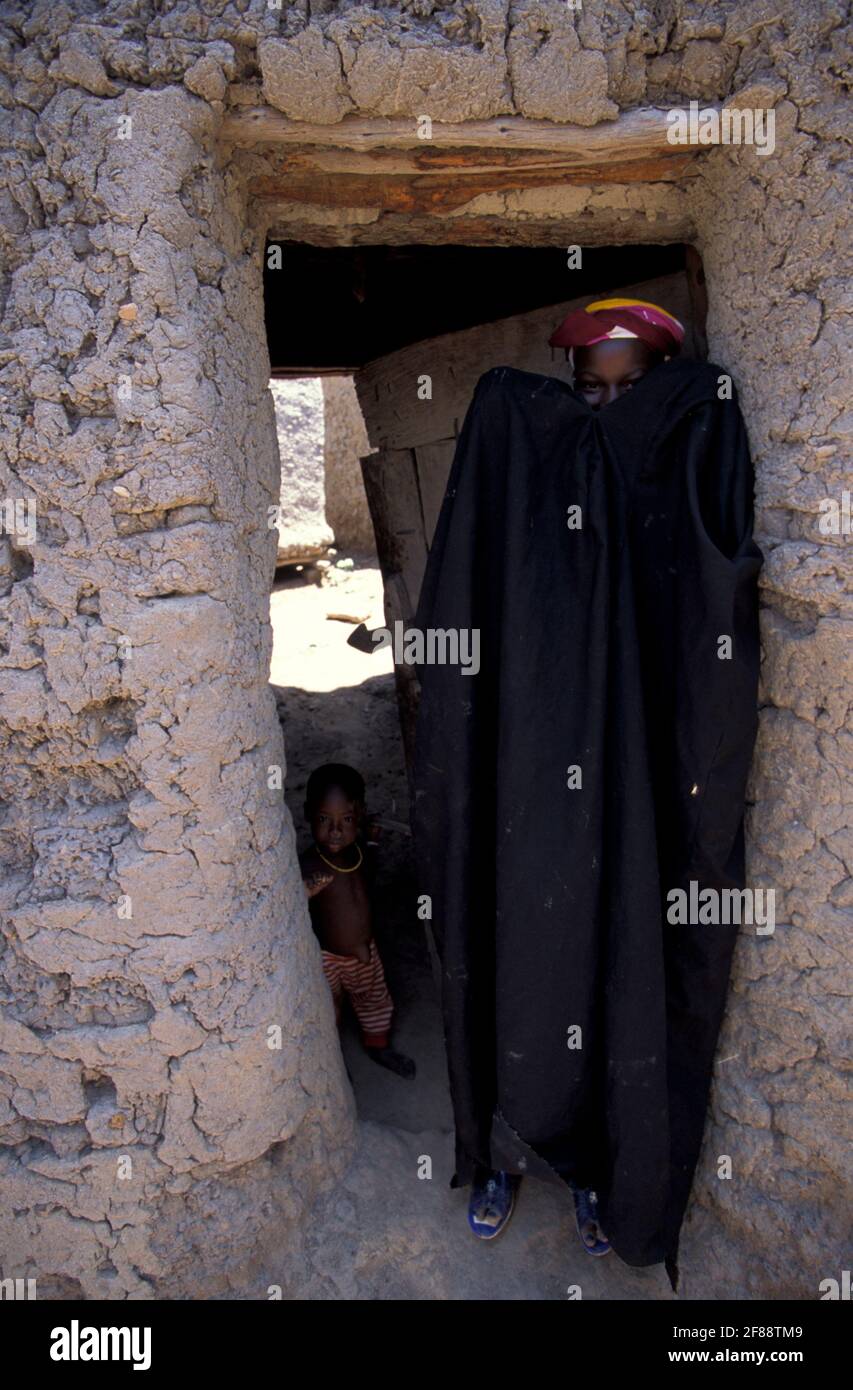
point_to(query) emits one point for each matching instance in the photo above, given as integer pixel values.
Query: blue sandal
(586, 1209)
(492, 1202)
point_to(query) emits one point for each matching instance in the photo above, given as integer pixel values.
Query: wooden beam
(634, 135)
(609, 227)
(418, 162)
(442, 193)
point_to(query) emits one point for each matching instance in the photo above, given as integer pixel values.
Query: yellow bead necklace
(335, 866)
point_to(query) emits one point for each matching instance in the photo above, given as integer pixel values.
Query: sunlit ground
(310, 648)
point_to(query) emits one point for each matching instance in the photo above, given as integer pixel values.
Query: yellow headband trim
(629, 304)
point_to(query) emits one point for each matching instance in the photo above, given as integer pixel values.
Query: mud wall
(157, 1130)
(138, 730)
(303, 531)
(772, 236)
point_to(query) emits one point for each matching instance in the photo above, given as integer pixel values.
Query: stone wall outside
(303, 530)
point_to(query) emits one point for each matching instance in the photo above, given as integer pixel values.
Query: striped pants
(364, 982)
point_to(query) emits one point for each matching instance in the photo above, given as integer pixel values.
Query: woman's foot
(593, 1239)
(492, 1202)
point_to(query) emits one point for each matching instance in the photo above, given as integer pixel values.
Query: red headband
(580, 328)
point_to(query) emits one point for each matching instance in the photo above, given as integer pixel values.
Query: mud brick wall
(154, 922)
(303, 531)
(137, 727)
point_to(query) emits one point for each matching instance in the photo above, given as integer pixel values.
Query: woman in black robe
(599, 537)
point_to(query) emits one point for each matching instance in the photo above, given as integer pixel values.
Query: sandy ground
(386, 1233)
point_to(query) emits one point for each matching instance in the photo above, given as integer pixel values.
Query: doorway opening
(365, 459)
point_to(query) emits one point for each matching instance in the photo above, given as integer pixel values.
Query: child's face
(607, 370)
(334, 821)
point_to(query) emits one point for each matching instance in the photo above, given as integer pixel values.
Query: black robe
(602, 648)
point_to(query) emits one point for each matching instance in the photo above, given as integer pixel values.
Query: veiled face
(609, 369)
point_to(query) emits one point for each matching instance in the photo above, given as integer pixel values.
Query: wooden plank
(433, 465)
(442, 193)
(609, 227)
(393, 496)
(399, 607)
(635, 134)
(290, 160)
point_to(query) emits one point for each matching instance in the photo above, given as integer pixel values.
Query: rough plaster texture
(346, 443)
(773, 235)
(154, 925)
(137, 726)
(301, 522)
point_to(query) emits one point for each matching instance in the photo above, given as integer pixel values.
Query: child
(333, 871)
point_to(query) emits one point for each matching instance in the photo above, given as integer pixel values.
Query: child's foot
(394, 1061)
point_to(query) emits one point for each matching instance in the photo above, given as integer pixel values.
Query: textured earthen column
(166, 1032)
(777, 1227)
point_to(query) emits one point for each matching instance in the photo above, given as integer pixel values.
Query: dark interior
(332, 309)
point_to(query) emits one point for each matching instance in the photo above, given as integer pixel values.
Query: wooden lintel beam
(441, 193)
(290, 162)
(634, 135)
